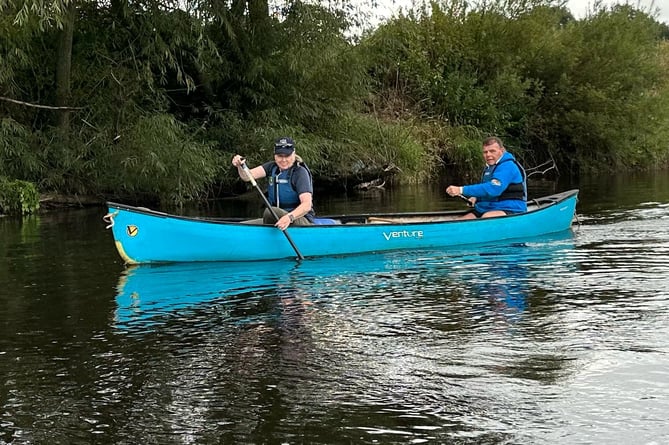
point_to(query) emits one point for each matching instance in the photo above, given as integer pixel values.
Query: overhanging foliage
(159, 95)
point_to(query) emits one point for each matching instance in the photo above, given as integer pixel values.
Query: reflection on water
(437, 345)
(381, 345)
(151, 294)
(553, 340)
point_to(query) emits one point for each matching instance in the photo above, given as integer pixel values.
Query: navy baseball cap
(284, 146)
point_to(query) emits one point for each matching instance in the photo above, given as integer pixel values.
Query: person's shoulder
(508, 160)
(508, 156)
(268, 166)
(301, 178)
(301, 168)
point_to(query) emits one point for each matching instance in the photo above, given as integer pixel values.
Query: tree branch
(47, 107)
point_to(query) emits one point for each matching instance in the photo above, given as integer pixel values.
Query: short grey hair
(493, 140)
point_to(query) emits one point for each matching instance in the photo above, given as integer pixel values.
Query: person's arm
(306, 203)
(257, 172)
(490, 189)
(454, 190)
(302, 209)
(505, 174)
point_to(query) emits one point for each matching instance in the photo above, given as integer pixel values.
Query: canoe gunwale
(406, 218)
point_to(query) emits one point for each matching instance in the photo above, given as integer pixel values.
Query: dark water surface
(557, 340)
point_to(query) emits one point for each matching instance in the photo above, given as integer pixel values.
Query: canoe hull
(145, 236)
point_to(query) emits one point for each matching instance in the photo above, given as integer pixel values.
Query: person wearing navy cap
(290, 189)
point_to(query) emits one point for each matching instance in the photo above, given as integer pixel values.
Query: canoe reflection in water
(494, 279)
(501, 281)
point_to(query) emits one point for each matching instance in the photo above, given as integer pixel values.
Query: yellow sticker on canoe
(132, 230)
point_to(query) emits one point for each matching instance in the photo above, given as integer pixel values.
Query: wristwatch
(292, 218)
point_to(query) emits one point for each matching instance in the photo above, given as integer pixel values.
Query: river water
(555, 340)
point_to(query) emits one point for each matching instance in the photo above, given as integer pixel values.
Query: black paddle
(269, 207)
(465, 199)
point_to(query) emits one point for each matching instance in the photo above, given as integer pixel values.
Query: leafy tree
(147, 99)
(611, 99)
(587, 93)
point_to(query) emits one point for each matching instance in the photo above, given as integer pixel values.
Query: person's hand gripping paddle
(269, 207)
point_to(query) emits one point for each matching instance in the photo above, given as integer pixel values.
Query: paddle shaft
(465, 199)
(269, 207)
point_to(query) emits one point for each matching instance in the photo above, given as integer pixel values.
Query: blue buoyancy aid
(489, 193)
(516, 190)
(281, 190)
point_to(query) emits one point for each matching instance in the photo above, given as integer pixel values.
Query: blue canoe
(147, 236)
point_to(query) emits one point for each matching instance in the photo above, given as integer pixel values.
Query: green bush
(18, 197)
(157, 158)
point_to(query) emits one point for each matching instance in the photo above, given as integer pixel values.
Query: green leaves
(158, 156)
(160, 90)
(586, 91)
(18, 197)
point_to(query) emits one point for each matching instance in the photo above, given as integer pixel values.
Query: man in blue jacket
(503, 187)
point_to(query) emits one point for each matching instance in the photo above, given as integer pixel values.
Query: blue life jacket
(515, 190)
(281, 188)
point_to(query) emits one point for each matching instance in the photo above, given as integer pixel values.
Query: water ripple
(555, 340)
